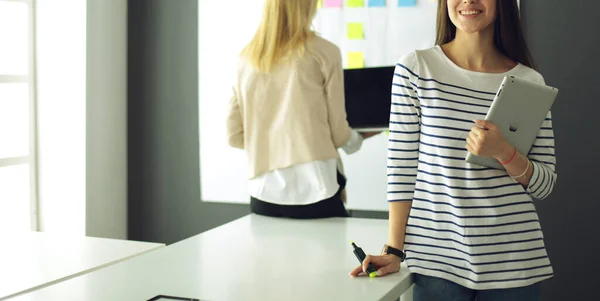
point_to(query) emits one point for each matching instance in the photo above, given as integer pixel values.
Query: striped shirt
(473, 225)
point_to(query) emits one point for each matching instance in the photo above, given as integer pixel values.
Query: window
(18, 185)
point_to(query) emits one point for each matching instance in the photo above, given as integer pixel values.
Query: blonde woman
(288, 114)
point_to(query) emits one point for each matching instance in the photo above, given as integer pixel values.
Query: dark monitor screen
(368, 96)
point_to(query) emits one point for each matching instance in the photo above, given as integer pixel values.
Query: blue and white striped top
(472, 225)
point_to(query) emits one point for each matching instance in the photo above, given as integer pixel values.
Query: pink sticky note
(332, 3)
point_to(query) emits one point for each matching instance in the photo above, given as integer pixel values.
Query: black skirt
(331, 207)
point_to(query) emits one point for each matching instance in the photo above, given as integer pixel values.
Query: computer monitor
(368, 97)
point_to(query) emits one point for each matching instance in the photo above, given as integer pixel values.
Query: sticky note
(355, 3)
(376, 3)
(319, 3)
(355, 31)
(356, 60)
(407, 2)
(332, 3)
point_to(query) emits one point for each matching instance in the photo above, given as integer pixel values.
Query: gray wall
(565, 41)
(106, 119)
(164, 192)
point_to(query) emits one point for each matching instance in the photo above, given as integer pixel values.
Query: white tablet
(519, 109)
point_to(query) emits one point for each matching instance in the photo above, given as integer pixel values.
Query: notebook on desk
(368, 97)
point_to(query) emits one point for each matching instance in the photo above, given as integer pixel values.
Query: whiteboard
(225, 27)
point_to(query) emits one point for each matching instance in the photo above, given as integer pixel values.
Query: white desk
(32, 260)
(252, 258)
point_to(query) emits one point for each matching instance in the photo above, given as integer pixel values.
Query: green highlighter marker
(360, 254)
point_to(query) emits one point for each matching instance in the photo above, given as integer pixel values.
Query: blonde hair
(284, 30)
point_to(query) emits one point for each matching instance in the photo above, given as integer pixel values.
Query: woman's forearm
(398, 218)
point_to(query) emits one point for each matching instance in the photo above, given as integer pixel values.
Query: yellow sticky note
(355, 31)
(319, 3)
(356, 60)
(355, 3)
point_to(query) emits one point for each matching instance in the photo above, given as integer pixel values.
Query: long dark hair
(508, 33)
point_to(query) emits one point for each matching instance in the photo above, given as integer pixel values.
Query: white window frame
(32, 157)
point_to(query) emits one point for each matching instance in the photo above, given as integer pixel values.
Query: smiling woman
(469, 232)
(471, 17)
